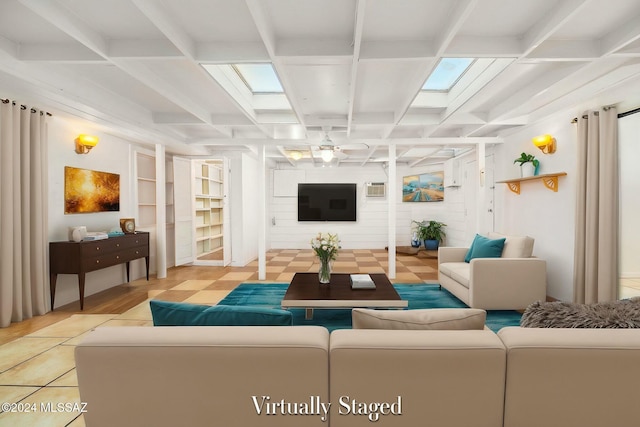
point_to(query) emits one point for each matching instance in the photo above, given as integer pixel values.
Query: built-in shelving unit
(209, 205)
(550, 180)
(146, 181)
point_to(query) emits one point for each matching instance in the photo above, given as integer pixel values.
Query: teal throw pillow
(483, 247)
(166, 313)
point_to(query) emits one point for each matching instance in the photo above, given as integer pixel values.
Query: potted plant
(431, 233)
(528, 165)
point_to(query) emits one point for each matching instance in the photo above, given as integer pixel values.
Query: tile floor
(37, 366)
(36, 356)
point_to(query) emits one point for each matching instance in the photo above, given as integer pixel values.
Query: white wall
(244, 210)
(629, 146)
(110, 155)
(370, 231)
(538, 212)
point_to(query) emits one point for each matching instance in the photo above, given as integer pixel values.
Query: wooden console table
(83, 257)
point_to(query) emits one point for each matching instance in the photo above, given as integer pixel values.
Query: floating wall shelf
(550, 180)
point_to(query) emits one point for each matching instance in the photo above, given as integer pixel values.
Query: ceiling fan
(328, 150)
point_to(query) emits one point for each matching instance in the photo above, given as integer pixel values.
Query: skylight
(447, 74)
(259, 78)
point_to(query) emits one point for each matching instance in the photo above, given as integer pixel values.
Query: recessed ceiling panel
(19, 24)
(381, 85)
(500, 18)
(321, 89)
(598, 17)
(398, 20)
(114, 19)
(194, 84)
(122, 84)
(326, 19)
(214, 20)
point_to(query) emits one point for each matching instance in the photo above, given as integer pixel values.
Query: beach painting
(88, 191)
(426, 187)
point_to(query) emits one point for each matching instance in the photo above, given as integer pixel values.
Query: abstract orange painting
(88, 191)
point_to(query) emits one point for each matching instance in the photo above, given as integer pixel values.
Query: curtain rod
(628, 113)
(24, 107)
(621, 115)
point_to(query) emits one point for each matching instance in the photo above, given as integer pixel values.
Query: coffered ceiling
(351, 70)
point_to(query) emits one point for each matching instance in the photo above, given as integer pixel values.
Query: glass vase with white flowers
(326, 247)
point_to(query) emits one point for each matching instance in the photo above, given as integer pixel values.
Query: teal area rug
(419, 296)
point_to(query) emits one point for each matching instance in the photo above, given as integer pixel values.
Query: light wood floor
(36, 356)
(281, 265)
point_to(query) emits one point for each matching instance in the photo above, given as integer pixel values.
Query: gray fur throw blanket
(618, 314)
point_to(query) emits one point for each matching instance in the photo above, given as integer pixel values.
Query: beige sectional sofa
(287, 376)
(510, 282)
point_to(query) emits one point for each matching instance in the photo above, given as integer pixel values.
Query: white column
(391, 194)
(262, 213)
(161, 213)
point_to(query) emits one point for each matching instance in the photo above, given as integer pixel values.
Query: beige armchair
(510, 282)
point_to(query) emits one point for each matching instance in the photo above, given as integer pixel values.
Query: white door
(473, 212)
(183, 209)
(489, 189)
(470, 186)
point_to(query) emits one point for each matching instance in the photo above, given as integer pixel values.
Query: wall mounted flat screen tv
(326, 202)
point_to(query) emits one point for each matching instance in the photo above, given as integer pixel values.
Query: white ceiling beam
(267, 33)
(284, 154)
(449, 30)
(372, 118)
(566, 50)
(277, 117)
(144, 49)
(468, 118)
(231, 52)
(396, 50)
(369, 154)
(421, 119)
(7, 47)
(452, 141)
(176, 118)
(290, 49)
(58, 52)
(616, 76)
(70, 24)
(484, 47)
(79, 30)
(162, 19)
(231, 120)
(621, 36)
(513, 105)
(490, 73)
(325, 120)
(357, 42)
(166, 24)
(560, 14)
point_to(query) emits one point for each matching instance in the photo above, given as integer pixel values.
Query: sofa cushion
(166, 313)
(483, 247)
(433, 318)
(515, 246)
(458, 271)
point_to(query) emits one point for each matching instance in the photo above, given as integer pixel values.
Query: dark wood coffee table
(305, 291)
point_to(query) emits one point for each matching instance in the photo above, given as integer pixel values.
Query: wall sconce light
(546, 143)
(84, 143)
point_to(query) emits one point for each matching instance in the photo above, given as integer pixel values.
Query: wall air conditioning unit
(375, 189)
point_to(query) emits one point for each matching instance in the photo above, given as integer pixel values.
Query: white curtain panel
(23, 213)
(596, 242)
